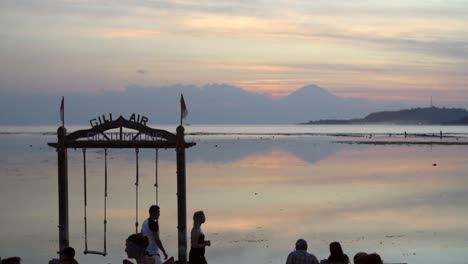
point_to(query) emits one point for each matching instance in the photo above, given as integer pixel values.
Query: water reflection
(259, 196)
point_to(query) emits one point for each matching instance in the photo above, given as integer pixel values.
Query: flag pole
(62, 111)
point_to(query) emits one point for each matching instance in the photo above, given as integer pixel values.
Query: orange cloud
(129, 33)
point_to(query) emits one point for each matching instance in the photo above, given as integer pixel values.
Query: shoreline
(374, 142)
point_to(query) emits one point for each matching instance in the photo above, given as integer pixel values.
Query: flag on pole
(62, 110)
(183, 108)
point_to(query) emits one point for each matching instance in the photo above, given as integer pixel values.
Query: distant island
(415, 116)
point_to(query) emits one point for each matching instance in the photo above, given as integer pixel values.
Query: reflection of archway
(101, 136)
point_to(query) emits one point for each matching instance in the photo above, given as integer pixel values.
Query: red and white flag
(62, 110)
(183, 108)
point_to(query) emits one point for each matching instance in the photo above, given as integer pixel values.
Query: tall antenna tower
(431, 102)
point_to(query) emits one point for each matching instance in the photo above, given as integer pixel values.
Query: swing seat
(94, 252)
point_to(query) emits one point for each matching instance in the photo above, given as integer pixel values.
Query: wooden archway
(142, 136)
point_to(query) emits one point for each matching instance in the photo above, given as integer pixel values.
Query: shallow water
(259, 193)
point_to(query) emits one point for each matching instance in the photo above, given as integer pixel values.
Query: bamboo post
(62, 188)
(181, 196)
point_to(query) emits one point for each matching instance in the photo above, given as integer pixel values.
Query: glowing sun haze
(382, 50)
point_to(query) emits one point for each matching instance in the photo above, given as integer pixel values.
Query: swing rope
(105, 202)
(85, 200)
(136, 191)
(156, 175)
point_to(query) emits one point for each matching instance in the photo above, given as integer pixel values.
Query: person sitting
(373, 258)
(68, 256)
(357, 258)
(135, 247)
(300, 254)
(336, 255)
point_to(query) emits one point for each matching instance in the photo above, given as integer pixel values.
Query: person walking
(198, 242)
(150, 229)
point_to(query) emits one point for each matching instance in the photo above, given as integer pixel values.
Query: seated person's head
(135, 245)
(12, 260)
(358, 257)
(373, 258)
(301, 244)
(68, 253)
(335, 249)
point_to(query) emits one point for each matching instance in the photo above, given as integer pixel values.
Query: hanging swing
(86, 251)
(104, 252)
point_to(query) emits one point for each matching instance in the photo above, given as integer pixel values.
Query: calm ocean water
(261, 187)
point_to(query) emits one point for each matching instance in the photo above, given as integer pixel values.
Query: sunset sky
(381, 50)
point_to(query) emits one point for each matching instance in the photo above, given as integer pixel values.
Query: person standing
(197, 241)
(150, 229)
(300, 254)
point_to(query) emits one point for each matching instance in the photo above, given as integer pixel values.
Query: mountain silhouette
(308, 93)
(208, 104)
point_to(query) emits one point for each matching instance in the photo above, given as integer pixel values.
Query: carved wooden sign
(102, 134)
(100, 120)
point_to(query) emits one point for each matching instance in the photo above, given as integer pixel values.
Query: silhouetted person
(135, 247)
(197, 241)
(150, 229)
(300, 254)
(67, 256)
(12, 260)
(336, 254)
(373, 258)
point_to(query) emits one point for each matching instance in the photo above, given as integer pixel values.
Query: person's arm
(159, 244)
